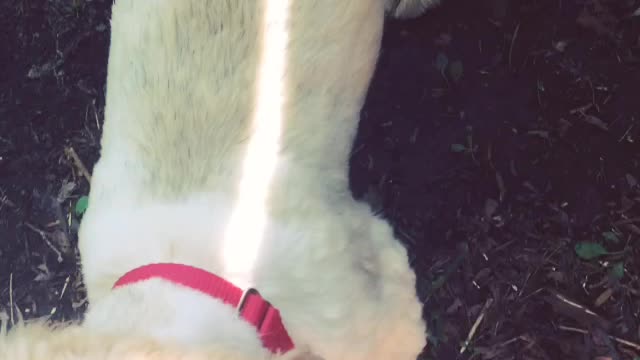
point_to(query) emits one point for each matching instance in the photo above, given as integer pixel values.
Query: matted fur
(182, 92)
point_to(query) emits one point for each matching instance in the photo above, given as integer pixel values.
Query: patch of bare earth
(499, 137)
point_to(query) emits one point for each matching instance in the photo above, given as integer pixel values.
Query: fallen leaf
(617, 271)
(81, 205)
(589, 250)
(611, 237)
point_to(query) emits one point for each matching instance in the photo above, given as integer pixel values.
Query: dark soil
(501, 138)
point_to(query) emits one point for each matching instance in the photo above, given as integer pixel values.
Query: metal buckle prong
(243, 299)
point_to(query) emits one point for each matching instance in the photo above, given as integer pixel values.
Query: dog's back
(228, 104)
(226, 141)
(189, 80)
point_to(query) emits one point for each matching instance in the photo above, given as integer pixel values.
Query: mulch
(499, 137)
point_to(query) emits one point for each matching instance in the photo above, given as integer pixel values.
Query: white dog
(228, 128)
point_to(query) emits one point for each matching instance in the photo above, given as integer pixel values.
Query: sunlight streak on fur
(245, 230)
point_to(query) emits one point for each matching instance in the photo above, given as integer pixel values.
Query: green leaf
(456, 70)
(617, 271)
(441, 62)
(611, 237)
(81, 205)
(590, 250)
(458, 148)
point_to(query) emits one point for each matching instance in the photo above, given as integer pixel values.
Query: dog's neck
(170, 313)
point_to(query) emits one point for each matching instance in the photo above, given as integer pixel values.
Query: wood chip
(590, 119)
(603, 297)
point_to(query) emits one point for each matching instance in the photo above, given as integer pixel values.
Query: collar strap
(251, 306)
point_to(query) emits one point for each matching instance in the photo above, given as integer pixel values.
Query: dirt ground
(500, 138)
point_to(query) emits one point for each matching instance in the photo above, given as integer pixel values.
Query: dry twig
(614, 338)
(475, 326)
(45, 238)
(13, 323)
(71, 153)
(513, 42)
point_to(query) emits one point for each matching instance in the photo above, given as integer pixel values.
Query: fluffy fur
(181, 95)
(39, 341)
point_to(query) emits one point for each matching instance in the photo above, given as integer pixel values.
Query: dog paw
(407, 9)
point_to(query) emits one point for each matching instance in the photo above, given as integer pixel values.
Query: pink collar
(251, 306)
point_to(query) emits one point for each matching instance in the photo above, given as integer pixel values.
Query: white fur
(408, 9)
(182, 92)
